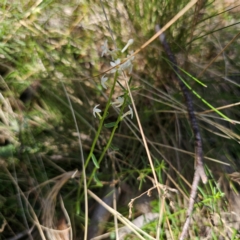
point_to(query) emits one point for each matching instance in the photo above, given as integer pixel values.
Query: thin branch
(193, 194)
(191, 113)
(199, 171)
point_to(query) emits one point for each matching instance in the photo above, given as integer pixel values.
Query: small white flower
(103, 80)
(119, 102)
(96, 110)
(113, 64)
(104, 48)
(130, 112)
(126, 65)
(130, 41)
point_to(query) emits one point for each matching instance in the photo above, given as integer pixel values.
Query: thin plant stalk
(109, 140)
(95, 140)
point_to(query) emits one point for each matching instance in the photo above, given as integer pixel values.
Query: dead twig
(199, 170)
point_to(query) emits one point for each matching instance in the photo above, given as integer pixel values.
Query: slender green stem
(95, 140)
(109, 140)
(101, 121)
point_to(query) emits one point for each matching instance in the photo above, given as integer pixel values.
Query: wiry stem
(199, 170)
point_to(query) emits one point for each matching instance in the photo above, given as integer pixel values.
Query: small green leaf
(123, 88)
(135, 88)
(95, 161)
(110, 125)
(99, 184)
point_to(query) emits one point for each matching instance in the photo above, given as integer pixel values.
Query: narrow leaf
(95, 161)
(97, 180)
(110, 125)
(207, 103)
